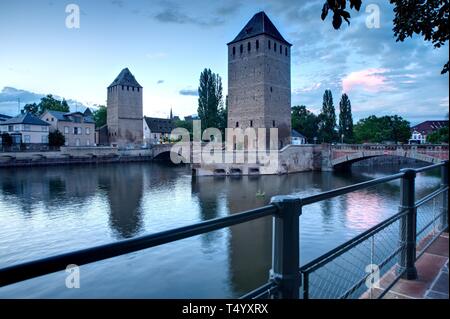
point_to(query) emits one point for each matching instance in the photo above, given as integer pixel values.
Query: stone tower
(124, 116)
(259, 79)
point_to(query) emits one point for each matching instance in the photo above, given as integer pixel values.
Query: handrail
(16, 273)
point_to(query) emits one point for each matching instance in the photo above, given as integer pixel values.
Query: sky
(166, 44)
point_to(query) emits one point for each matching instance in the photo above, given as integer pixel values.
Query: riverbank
(71, 155)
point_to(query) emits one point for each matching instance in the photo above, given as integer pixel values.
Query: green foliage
(438, 137)
(345, 119)
(6, 139)
(100, 116)
(426, 18)
(304, 122)
(327, 119)
(382, 129)
(184, 124)
(210, 102)
(32, 108)
(47, 103)
(56, 139)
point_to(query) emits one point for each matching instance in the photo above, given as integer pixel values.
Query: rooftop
(159, 125)
(259, 24)
(125, 77)
(67, 117)
(26, 118)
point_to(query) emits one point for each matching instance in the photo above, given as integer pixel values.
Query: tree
(6, 139)
(56, 139)
(100, 116)
(438, 137)
(345, 119)
(426, 18)
(209, 98)
(31, 108)
(327, 119)
(50, 103)
(305, 122)
(382, 129)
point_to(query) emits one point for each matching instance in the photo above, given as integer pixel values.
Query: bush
(56, 139)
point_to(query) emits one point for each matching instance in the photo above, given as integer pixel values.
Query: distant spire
(171, 115)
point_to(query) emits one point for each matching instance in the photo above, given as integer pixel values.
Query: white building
(157, 130)
(26, 129)
(297, 138)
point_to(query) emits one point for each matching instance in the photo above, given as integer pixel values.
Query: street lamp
(315, 139)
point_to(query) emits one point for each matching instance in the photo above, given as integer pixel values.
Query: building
(78, 128)
(420, 131)
(26, 129)
(4, 117)
(157, 130)
(259, 79)
(125, 114)
(297, 138)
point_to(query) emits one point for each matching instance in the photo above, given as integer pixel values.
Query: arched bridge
(343, 155)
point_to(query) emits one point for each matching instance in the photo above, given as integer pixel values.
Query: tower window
(241, 48)
(275, 46)
(251, 123)
(128, 88)
(234, 51)
(138, 89)
(122, 87)
(132, 88)
(271, 89)
(237, 124)
(273, 123)
(249, 47)
(285, 51)
(269, 45)
(257, 44)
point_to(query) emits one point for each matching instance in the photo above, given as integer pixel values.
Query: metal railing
(332, 275)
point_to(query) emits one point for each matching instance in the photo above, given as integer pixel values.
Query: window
(44, 139)
(132, 88)
(77, 142)
(128, 88)
(271, 89)
(17, 128)
(88, 143)
(122, 87)
(234, 51)
(269, 44)
(241, 48)
(48, 120)
(53, 119)
(66, 130)
(237, 124)
(26, 139)
(257, 44)
(44, 128)
(66, 143)
(251, 123)
(275, 47)
(249, 47)
(285, 51)
(88, 131)
(138, 89)
(273, 123)
(26, 127)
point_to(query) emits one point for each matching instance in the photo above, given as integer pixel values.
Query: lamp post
(315, 139)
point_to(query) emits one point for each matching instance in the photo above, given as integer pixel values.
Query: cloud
(310, 88)
(156, 55)
(160, 82)
(10, 96)
(118, 3)
(371, 80)
(174, 15)
(189, 92)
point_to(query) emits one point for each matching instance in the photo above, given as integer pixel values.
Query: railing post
(408, 224)
(286, 246)
(444, 183)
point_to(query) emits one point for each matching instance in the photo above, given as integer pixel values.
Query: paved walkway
(432, 270)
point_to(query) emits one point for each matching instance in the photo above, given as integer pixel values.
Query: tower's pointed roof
(125, 77)
(260, 24)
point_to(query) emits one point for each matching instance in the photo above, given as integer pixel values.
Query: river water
(51, 210)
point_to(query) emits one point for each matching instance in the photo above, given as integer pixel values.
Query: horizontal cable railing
(340, 273)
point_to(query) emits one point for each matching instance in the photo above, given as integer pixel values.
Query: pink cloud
(371, 80)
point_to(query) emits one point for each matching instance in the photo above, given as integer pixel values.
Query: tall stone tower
(259, 79)
(124, 116)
